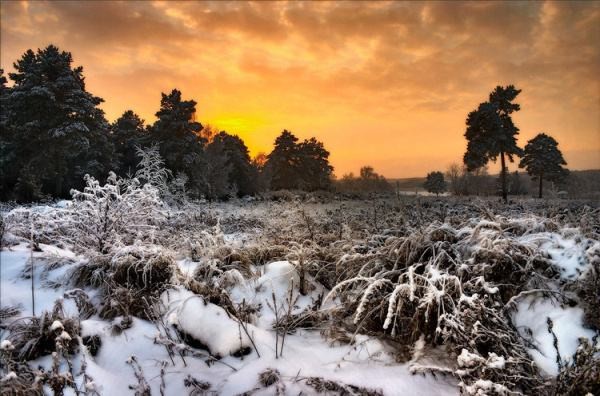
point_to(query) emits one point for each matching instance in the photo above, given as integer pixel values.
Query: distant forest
(54, 133)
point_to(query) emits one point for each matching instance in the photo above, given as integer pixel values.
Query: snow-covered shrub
(269, 377)
(151, 169)
(37, 225)
(441, 285)
(120, 211)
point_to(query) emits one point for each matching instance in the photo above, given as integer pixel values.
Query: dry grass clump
(264, 254)
(7, 313)
(582, 375)
(438, 285)
(587, 288)
(36, 336)
(269, 377)
(130, 281)
(139, 269)
(126, 302)
(321, 385)
(91, 273)
(20, 381)
(82, 301)
(197, 387)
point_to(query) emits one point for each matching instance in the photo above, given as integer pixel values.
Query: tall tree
(491, 132)
(453, 173)
(516, 184)
(5, 135)
(314, 165)
(284, 162)
(178, 136)
(435, 183)
(241, 174)
(216, 172)
(48, 107)
(543, 160)
(263, 177)
(127, 133)
(302, 165)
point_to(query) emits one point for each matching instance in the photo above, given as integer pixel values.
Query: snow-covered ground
(368, 361)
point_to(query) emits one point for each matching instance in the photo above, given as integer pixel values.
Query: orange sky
(384, 83)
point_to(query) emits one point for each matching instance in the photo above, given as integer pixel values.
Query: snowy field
(122, 294)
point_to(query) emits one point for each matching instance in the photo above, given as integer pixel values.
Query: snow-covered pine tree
(128, 132)
(53, 131)
(178, 136)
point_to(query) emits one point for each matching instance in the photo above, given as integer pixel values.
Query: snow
(11, 375)
(468, 359)
(64, 336)
(205, 322)
(279, 276)
(16, 289)
(6, 345)
(568, 326)
(367, 362)
(566, 251)
(495, 361)
(56, 325)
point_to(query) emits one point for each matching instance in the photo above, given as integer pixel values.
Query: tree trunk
(503, 177)
(541, 178)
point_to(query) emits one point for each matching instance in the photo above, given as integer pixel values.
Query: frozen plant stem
(32, 267)
(275, 310)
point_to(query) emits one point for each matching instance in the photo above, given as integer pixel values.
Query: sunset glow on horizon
(388, 84)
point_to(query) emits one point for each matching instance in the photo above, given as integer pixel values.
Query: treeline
(367, 181)
(459, 181)
(53, 133)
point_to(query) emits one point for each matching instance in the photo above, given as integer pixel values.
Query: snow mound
(279, 277)
(207, 323)
(567, 324)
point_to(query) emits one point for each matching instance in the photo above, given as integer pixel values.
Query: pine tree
(216, 171)
(284, 162)
(53, 131)
(543, 160)
(302, 165)
(491, 132)
(314, 165)
(178, 135)
(6, 139)
(435, 183)
(128, 131)
(242, 174)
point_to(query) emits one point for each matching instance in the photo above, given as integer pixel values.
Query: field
(116, 293)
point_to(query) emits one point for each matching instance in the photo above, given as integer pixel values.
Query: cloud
(407, 72)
